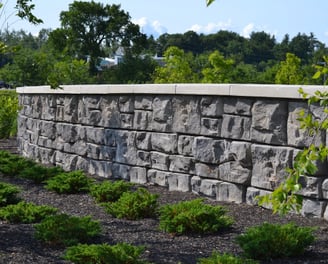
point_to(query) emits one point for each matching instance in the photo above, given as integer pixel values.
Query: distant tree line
(89, 31)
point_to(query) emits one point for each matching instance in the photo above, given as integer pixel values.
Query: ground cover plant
(39, 173)
(26, 213)
(69, 182)
(109, 191)
(8, 194)
(193, 217)
(8, 113)
(270, 241)
(217, 258)
(66, 230)
(103, 253)
(134, 205)
(12, 165)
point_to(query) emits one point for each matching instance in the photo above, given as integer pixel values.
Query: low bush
(134, 205)
(269, 241)
(104, 253)
(65, 230)
(8, 194)
(26, 213)
(217, 258)
(193, 216)
(39, 174)
(12, 165)
(69, 183)
(108, 191)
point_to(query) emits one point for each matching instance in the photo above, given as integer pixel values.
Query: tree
(24, 11)
(219, 70)
(290, 71)
(89, 29)
(177, 68)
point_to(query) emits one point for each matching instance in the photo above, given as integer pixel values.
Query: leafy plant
(275, 241)
(8, 194)
(39, 174)
(134, 205)
(104, 253)
(8, 113)
(217, 258)
(108, 191)
(12, 165)
(69, 182)
(286, 196)
(193, 216)
(26, 213)
(65, 230)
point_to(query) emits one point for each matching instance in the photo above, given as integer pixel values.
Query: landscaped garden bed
(19, 243)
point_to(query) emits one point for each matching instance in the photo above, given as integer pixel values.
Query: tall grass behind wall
(8, 113)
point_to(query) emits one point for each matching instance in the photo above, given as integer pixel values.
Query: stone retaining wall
(227, 142)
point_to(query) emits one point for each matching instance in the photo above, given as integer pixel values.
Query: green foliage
(290, 71)
(108, 191)
(97, 254)
(24, 11)
(134, 205)
(39, 174)
(26, 213)
(193, 216)
(217, 258)
(8, 194)
(8, 113)
(12, 165)
(65, 230)
(286, 197)
(269, 241)
(69, 182)
(209, 2)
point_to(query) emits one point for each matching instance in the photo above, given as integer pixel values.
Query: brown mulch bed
(18, 245)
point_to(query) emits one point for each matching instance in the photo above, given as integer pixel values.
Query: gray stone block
(207, 170)
(238, 106)
(210, 127)
(162, 114)
(325, 189)
(143, 140)
(234, 172)
(143, 102)
(158, 177)
(121, 171)
(126, 121)
(253, 193)
(179, 182)
(162, 142)
(143, 120)
(211, 106)
(269, 165)
(143, 158)
(311, 186)
(204, 187)
(126, 151)
(236, 127)
(126, 104)
(313, 208)
(138, 175)
(208, 150)
(185, 144)
(229, 192)
(159, 161)
(182, 164)
(269, 122)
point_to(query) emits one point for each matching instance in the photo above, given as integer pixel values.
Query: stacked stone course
(227, 148)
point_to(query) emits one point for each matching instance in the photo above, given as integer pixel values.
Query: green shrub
(65, 230)
(93, 254)
(8, 113)
(8, 194)
(275, 241)
(193, 216)
(12, 165)
(26, 213)
(108, 191)
(69, 182)
(217, 258)
(134, 205)
(39, 174)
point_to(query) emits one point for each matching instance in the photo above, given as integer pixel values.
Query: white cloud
(247, 30)
(147, 27)
(211, 27)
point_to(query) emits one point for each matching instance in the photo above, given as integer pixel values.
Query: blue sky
(276, 17)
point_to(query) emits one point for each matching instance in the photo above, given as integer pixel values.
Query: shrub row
(123, 200)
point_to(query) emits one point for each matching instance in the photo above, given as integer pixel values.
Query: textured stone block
(210, 127)
(126, 121)
(269, 122)
(100, 168)
(229, 192)
(204, 187)
(159, 161)
(95, 135)
(238, 106)
(211, 106)
(143, 102)
(313, 208)
(162, 142)
(143, 140)
(252, 194)
(185, 144)
(269, 165)
(186, 115)
(121, 171)
(234, 172)
(207, 170)
(158, 177)
(110, 114)
(181, 164)
(126, 151)
(138, 175)
(208, 150)
(142, 120)
(236, 127)
(143, 158)
(325, 189)
(179, 182)
(126, 104)
(162, 114)
(311, 186)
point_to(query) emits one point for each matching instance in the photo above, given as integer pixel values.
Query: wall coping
(244, 90)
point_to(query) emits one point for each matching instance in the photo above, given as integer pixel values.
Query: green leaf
(208, 2)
